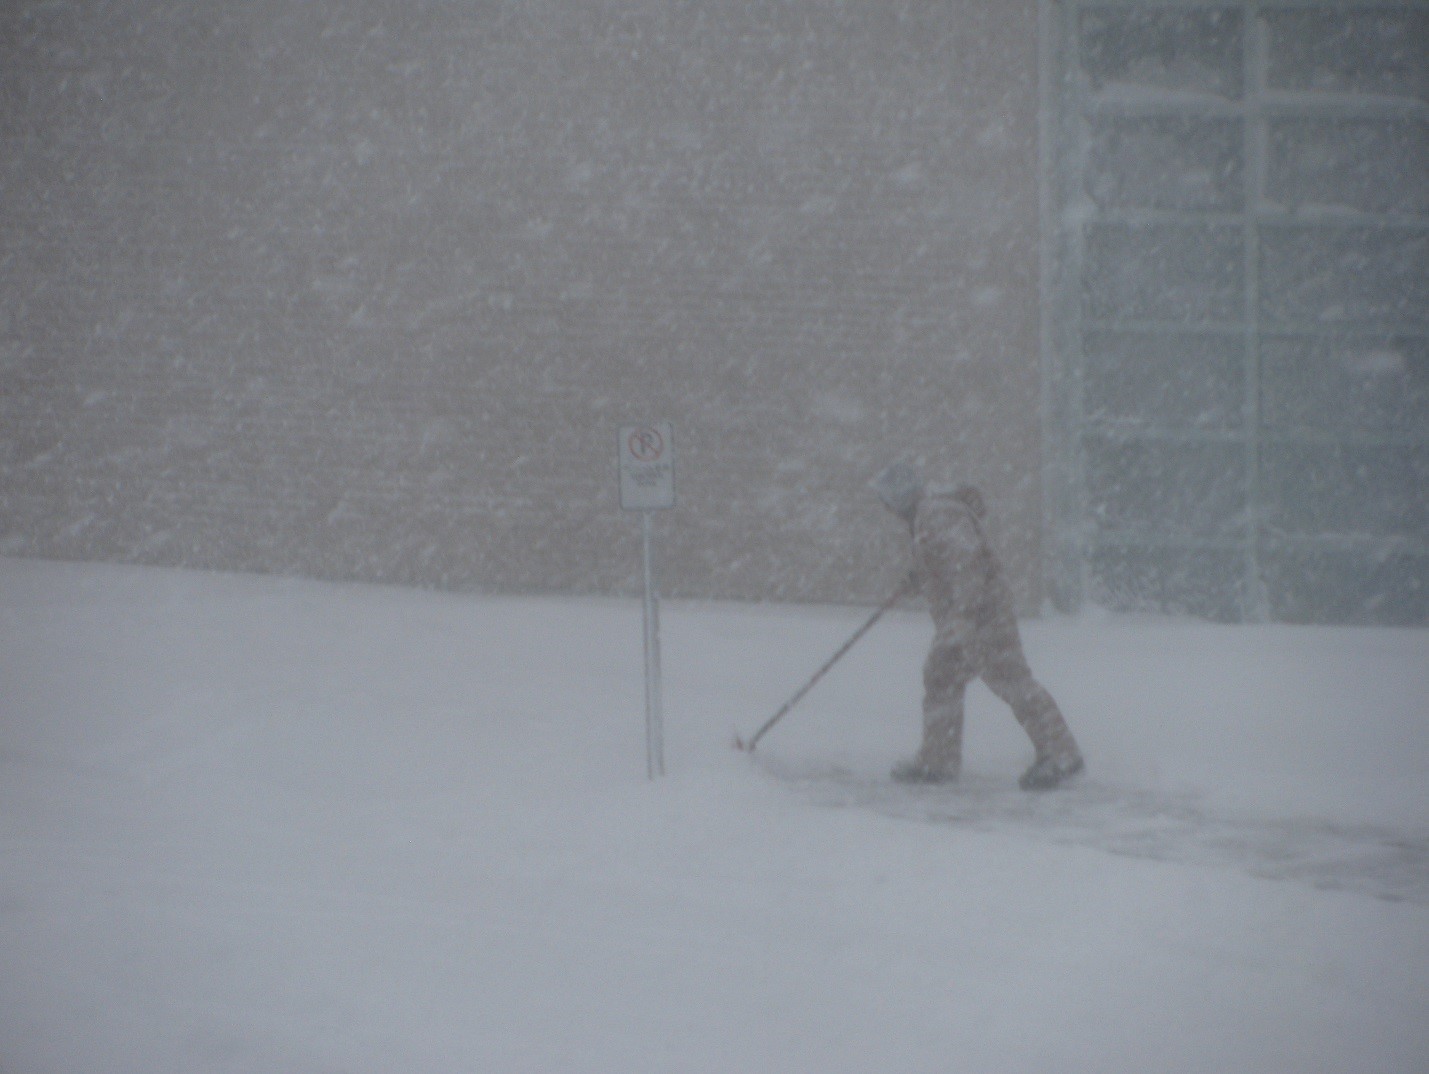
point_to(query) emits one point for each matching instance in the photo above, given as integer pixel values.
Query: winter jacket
(957, 570)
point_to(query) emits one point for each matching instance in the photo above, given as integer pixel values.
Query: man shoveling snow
(975, 634)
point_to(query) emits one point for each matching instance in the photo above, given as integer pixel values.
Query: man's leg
(946, 675)
(1007, 674)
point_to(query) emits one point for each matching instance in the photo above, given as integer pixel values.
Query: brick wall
(365, 289)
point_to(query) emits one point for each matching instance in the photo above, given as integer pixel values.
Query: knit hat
(900, 487)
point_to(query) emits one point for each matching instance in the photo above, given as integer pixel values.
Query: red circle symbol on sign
(646, 445)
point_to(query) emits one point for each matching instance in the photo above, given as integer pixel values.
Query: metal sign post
(647, 483)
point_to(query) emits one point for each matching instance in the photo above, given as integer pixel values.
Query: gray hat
(900, 487)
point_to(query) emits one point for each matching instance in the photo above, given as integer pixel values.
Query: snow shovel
(902, 591)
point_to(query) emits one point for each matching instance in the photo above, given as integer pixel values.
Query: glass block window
(1238, 342)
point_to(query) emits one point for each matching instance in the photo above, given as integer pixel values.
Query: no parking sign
(647, 467)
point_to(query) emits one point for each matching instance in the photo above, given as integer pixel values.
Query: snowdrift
(270, 825)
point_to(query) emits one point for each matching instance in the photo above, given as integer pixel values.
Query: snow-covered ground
(279, 826)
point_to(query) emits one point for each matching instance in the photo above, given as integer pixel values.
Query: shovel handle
(898, 595)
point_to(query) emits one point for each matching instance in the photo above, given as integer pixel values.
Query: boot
(917, 770)
(1051, 771)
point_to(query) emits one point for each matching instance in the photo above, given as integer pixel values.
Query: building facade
(365, 290)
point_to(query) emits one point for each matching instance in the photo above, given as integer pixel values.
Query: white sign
(647, 467)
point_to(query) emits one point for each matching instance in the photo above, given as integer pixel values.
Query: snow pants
(990, 650)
